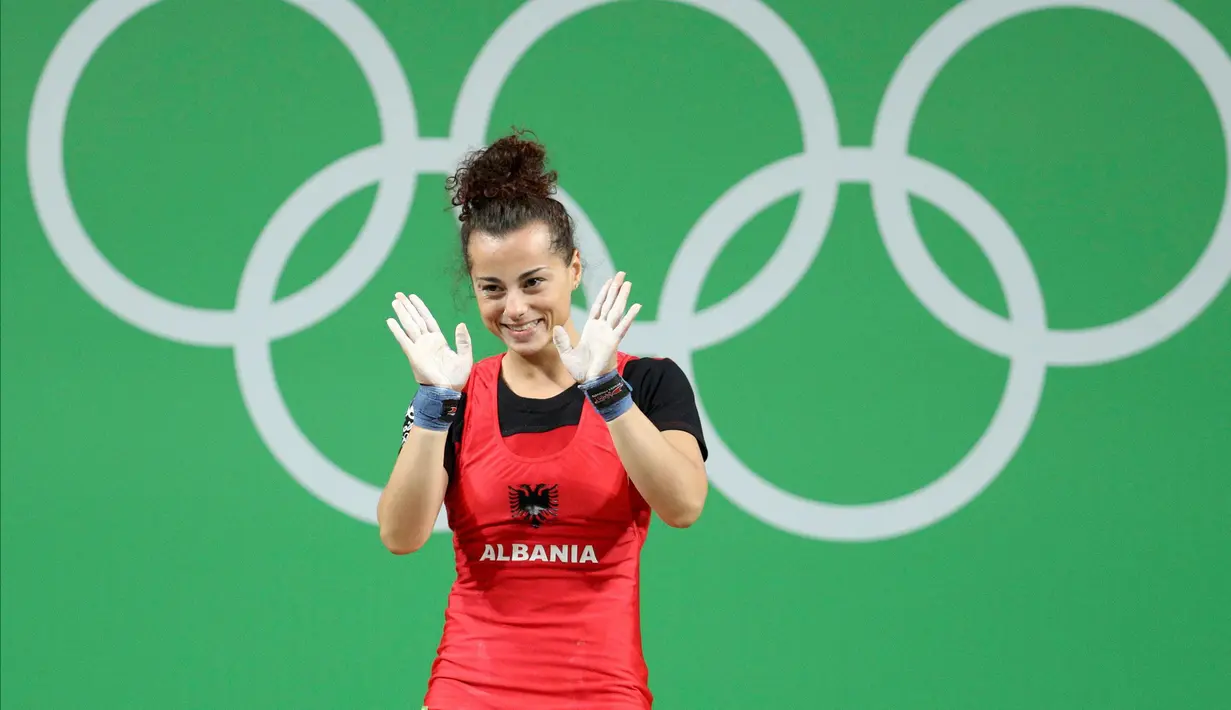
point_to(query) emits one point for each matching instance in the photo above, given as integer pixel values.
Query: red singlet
(545, 610)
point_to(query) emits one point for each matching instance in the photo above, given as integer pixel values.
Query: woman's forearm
(411, 500)
(665, 466)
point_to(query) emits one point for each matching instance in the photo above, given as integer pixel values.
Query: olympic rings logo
(815, 174)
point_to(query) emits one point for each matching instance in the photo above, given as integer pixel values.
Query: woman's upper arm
(686, 444)
(664, 394)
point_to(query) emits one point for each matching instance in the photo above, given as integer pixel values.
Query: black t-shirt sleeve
(663, 393)
(455, 434)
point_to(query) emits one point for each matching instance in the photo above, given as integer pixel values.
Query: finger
(598, 300)
(421, 309)
(412, 315)
(622, 328)
(609, 300)
(404, 312)
(560, 338)
(409, 325)
(399, 334)
(422, 316)
(617, 309)
(462, 337)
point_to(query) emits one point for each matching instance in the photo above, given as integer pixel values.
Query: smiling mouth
(523, 328)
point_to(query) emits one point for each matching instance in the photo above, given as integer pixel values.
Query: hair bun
(511, 169)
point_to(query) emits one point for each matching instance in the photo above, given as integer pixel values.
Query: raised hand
(605, 327)
(430, 357)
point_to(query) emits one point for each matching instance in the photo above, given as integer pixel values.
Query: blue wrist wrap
(610, 395)
(435, 408)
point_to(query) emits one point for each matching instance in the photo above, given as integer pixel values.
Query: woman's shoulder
(653, 371)
(663, 393)
(658, 382)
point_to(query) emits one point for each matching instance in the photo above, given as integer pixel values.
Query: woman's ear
(574, 268)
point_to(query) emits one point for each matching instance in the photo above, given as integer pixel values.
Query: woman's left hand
(595, 352)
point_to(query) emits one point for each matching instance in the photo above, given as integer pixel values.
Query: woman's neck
(542, 377)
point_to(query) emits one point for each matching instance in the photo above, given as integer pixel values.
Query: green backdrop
(951, 291)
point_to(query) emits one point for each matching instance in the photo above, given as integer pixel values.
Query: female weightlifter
(548, 458)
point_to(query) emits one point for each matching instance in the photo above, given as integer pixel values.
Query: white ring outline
(994, 449)
(204, 326)
(1084, 346)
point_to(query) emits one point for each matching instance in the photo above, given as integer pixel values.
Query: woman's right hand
(430, 357)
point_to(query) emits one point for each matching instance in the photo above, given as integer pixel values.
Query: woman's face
(524, 289)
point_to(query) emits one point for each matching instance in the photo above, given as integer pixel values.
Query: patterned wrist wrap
(435, 408)
(609, 394)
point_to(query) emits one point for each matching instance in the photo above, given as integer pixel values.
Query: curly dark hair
(506, 186)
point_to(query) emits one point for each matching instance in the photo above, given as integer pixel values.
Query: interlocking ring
(816, 173)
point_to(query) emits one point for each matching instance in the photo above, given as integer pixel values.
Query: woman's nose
(514, 306)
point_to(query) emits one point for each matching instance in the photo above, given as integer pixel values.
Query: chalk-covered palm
(431, 359)
(594, 353)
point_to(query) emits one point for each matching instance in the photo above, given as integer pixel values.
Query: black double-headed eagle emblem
(534, 504)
